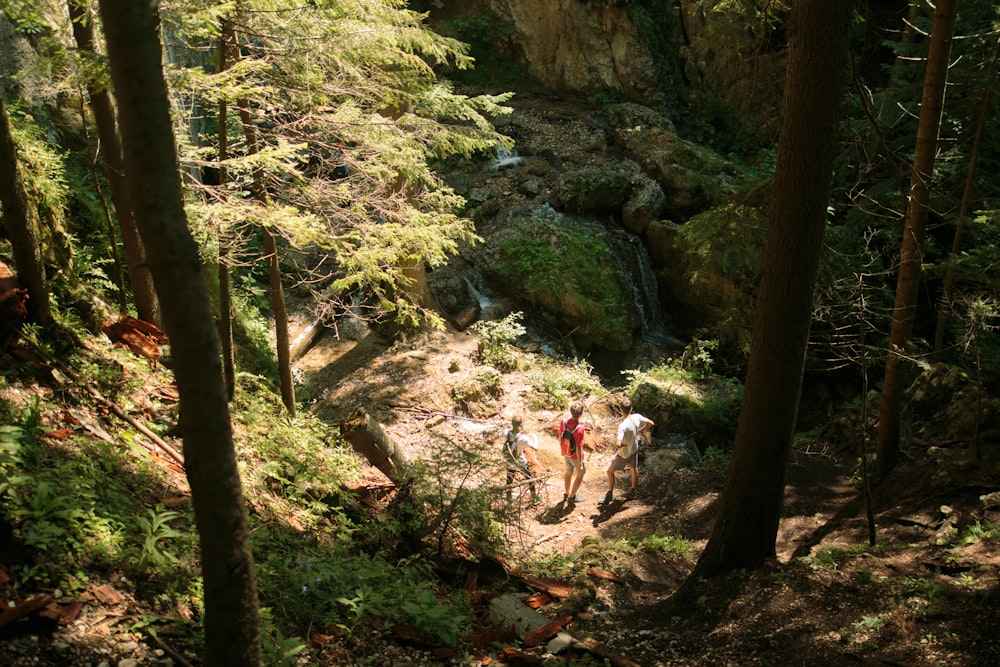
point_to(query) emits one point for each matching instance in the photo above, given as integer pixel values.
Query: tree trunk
(140, 278)
(281, 342)
(746, 525)
(232, 634)
(914, 231)
(944, 303)
(226, 40)
(21, 226)
(368, 439)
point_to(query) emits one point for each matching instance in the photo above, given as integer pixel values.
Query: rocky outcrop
(612, 48)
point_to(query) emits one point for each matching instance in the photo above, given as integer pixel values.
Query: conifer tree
(914, 232)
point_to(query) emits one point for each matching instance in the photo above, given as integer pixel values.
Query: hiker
(571, 448)
(519, 452)
(630, 432)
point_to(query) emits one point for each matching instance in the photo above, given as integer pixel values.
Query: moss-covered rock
(602, 189)
(565, 268)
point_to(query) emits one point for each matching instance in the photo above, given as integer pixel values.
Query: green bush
(572, 274)
(496, 339)
(556, 386)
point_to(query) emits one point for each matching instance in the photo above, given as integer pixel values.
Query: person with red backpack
(571, 433)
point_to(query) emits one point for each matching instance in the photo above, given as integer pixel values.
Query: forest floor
(925, 594)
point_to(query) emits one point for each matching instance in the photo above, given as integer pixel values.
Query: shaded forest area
(198, 197)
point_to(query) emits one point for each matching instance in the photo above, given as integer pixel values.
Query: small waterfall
(478, 295)
(633, 257)
(505, 157)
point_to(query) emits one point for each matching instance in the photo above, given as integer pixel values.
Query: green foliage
(595, 552)
(460, 495)
(157, 534)
(362, 115)
(669, 544)
(833, 557)
(698, 401)
(352, 591)
(277, 649)
(980, 530)
(71, 507)
(715, 458)
(295, 463)
(557, 385)
(722, 250)
(571, 272)
(496, 340)
(870, 623)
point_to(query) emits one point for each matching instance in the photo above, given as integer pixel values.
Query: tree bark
(944, 303)
(226, 41)
(914, 231)
(21, 226)
(281, 342)
(141, 280)
(746, 525)
(232, 635)
(367, 438)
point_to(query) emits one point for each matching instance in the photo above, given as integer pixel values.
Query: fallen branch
(438, 413)
(527, 481)
(177, 657)
(602, 651)
(112, 408)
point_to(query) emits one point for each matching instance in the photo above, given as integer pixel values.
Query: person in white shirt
(627, 456)
(520, 453)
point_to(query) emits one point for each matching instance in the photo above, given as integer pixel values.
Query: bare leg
(577, 482)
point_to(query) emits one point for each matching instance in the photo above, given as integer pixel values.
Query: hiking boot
(608, 497)
(631, 493)
(565, 498)
(576, 499)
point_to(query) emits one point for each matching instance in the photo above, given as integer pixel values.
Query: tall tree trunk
(282, 342)
(944, 304)
(746, 525)
(226, 40)
(146, 305)
(232, 634)
(22, 226)
(914, 230)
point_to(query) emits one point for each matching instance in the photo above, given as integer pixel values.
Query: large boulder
(693, 178)
(563, 268)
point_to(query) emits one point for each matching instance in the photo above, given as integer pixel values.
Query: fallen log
(367, 438)
(302, 342)
(469, 315)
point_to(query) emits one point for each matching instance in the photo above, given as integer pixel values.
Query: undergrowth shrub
(557, 385)
(496, 340)
(698, 401)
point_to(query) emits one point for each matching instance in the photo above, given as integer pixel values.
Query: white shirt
(523, 440)
(628, 431)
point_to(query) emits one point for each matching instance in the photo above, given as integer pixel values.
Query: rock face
(666, 54)
(574, 46)
(589, 47)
